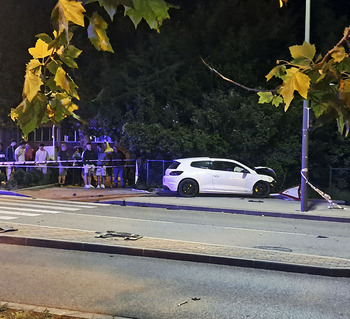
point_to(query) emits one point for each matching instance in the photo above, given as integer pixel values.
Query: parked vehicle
(191, 176)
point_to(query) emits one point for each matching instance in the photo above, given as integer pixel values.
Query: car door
(229, 177)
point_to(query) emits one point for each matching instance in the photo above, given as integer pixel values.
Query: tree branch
(236, 83)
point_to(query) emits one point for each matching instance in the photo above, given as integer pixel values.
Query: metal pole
(305, 132)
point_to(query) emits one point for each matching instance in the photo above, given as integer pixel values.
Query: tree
(49, 91)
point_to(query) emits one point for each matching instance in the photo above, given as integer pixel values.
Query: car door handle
(216, 175)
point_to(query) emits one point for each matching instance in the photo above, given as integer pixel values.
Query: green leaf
(29, 115)
(60, 107)
(153, 11)
(277, 100)
(265, 97)
(53, 65)
(68, 54)
(97, 33)
(319, 109)
(44, 37)
(278, 71)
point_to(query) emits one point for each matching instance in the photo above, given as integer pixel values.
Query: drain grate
(284, 249)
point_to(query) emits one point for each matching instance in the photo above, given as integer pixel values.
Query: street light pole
(305, 132)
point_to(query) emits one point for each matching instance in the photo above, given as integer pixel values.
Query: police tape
(74, 162)
(328, 198)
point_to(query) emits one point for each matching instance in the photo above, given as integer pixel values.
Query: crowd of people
(87, 167)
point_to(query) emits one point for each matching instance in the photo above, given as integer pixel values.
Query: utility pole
(305, 132)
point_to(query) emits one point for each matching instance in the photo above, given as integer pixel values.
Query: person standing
(101, 166)
(10, 156)
(29, 156)
(89, 159)
(20, 152)
(2, 159)
(62, 157)
(77, 165)
(118, 163)
(42, 155)
(10, 151)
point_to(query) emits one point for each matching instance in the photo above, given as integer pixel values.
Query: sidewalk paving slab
(71, 239)
(57, 311)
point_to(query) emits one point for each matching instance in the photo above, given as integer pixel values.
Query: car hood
(265, 171)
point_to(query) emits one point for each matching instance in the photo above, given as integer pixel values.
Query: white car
(191, 176)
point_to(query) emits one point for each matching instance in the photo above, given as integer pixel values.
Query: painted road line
(48, 202)
(18, 213)
(34, 210)
(39, 206)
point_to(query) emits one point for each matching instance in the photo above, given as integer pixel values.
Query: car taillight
(176, 173)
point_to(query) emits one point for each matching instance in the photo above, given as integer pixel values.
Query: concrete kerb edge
(172, 255)
(232, 211)
(57, 311)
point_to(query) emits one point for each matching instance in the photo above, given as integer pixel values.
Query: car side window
(202, 164)
(228, 167)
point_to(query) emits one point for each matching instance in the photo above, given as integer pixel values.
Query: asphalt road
(145, 288)
(299, 236)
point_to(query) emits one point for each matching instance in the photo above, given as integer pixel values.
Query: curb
(57, 311)
(232, 211)
(180, 256)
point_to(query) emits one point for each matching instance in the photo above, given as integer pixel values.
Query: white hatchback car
(191, 176)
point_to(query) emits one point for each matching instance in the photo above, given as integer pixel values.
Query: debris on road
(183, 303)
(6, 229)
(112, 233)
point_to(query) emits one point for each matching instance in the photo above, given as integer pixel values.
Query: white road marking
(38, 206)
(18, 213)
(7, 217)
(32, 210)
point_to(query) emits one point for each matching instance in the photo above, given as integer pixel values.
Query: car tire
(188, 188)
(261, 189)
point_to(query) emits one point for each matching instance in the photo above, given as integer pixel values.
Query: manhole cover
(284, 249)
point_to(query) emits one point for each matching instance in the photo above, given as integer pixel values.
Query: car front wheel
(188, 188)
(261, 189)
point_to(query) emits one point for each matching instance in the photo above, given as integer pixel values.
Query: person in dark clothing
(77, 164)
(118, 163)
(10, 156)
(62, 155)
(2, 158)
(89, 160)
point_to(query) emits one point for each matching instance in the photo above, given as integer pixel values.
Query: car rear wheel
(188, 188)
(261, 189)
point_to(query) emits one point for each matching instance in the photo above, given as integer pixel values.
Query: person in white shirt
(20, 153)
(42, 155)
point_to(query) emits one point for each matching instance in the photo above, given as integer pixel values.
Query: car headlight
(176, 173)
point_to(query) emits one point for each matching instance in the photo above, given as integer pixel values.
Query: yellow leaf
(281, 2)
(40, 50)
(34, 65)
(61, 79)
(32, 83)
(339, 55)
(304, 51)
(294, 81)
(72, 10)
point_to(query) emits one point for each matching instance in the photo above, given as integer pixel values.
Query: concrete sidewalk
(61, 238)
